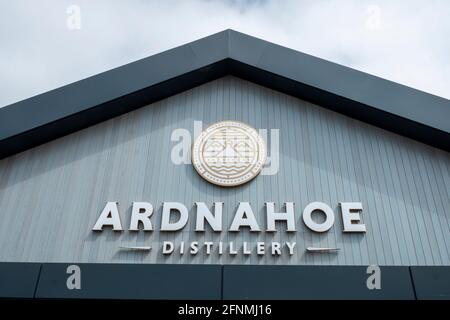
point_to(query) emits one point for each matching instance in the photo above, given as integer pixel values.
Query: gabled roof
(380, 102)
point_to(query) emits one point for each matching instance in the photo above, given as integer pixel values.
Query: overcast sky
(46, 44)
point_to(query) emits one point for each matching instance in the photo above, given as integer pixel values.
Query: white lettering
(208, 246)
(194, 247)
(350, 217)
(168, 247)
(273, 216)
(141, 212)
(244, 217)
(260, 248)
(109, 217)
(291, 246)
(233, 251)
(276, 248)
(214, 220)
(245, 248)
(168, 208)
(310, 223)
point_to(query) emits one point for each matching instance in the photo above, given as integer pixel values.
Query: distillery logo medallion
(229, 153)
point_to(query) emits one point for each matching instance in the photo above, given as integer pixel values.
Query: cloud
(403, 41)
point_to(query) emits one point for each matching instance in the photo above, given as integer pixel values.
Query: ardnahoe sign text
(175, 216)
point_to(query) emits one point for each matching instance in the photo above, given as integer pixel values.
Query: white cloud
(403, 41)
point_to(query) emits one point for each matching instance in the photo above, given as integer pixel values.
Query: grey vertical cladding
(51, 196)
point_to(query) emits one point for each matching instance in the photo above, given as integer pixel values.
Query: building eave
(391, 106)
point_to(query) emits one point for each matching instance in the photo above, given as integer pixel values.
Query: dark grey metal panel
(313, 282)
(128, 281)
(18, 280)
(431, 283)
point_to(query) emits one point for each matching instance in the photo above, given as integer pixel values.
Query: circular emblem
(229, 153)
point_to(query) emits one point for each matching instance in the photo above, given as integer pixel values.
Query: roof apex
(377, 101)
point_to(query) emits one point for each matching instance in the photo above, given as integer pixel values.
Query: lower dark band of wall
(216, 282)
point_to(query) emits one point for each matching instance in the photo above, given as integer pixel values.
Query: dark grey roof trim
(386, 104)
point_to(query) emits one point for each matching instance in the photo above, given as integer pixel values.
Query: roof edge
(400, 109)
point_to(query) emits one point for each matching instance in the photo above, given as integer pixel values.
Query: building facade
(333, 136)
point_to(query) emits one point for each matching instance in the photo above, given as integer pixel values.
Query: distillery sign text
(175, 216)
